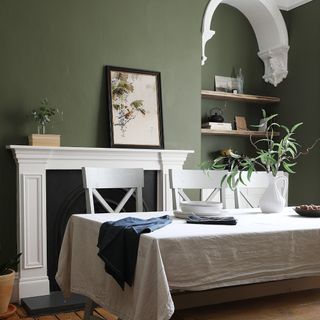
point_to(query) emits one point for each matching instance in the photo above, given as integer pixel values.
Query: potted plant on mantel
(42, 116)
(7, 275)
(272, 155)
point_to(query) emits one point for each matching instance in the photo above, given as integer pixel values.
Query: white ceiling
(290, 4)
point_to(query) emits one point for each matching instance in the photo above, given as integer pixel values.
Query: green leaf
(264, 114)
(250, 171)
(218, 159)
(274, 170)
(280, 149)
(223, 179)
(229, 181)
(290, 164)
(218, 166)
(274, 124)
(293, 145)
(234, 155)
(233, 181)
(206, 165)
(240, 178)
(296, 126)
(291, 151)
(270, 117)
(286, 166)
(236, 183)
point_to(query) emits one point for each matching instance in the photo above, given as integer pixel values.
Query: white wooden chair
(248, 195)
(112, 178)
(209, 183)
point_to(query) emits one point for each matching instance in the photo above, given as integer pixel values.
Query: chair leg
(88, 309)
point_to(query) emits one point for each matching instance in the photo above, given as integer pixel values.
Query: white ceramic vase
(274, 198)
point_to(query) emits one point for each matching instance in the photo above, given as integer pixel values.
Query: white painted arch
(270, 30)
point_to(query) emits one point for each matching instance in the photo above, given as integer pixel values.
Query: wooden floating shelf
(241, 133)
(217, 95)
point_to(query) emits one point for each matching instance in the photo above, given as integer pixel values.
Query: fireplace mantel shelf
(67, 157)
(32, 164)
(89, 149)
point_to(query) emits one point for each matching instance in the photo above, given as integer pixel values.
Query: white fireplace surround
(32, 163)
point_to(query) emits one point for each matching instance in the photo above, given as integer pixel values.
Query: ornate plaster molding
(270, 30)
(207, 33)
(275, 63)
(206, 36)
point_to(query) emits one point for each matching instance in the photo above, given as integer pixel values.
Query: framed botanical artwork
(135, 108)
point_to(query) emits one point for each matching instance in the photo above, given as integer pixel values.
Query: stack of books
(224, 126)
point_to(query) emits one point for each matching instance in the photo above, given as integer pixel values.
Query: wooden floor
(303, 305)
(78, 315)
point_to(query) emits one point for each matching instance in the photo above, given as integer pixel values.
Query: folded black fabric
(211, 220)
(118, 245)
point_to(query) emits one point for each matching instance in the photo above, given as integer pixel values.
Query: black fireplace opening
(66, 196)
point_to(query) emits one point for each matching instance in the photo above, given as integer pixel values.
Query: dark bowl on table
(311, 211)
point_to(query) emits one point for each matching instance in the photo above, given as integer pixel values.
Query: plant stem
(308, 149)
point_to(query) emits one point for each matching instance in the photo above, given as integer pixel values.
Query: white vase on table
(274, 198)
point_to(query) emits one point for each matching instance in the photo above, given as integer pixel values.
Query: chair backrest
(112, 178)
(252, 191)
(181, 180)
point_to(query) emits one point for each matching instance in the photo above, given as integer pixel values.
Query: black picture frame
(135, 108)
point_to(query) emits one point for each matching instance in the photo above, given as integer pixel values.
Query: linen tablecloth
(261, 247)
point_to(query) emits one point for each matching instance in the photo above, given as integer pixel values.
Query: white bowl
(204, 208)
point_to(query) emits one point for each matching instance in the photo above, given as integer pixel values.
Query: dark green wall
(233, 46)
(58, 49)
(300, 97)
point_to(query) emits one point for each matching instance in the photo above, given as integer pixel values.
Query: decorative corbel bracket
(206, 36)
(275, 63)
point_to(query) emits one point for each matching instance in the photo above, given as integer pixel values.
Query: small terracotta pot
(6, 287)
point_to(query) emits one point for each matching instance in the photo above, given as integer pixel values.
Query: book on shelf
(226, 126)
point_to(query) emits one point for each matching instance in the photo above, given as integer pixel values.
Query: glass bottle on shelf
(240, 79)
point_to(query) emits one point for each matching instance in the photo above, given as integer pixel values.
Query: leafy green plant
(272, 154)
(43, 114)
(11, 264)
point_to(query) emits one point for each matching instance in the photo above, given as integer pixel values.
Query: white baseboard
(29, 288)
(33, 287)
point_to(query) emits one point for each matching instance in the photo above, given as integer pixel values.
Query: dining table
(184, 257)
